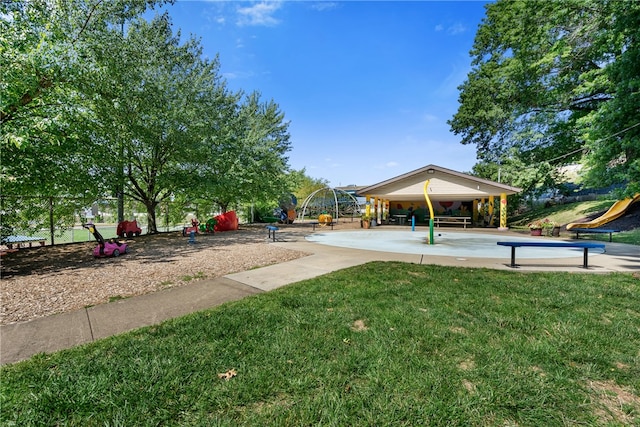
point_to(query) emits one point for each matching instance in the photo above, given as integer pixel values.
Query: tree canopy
(557, 82)
(98, 101)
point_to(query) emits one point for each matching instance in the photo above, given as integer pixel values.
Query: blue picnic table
(17, 240)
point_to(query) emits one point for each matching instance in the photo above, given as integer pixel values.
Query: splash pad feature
(329, 201)
(451, 244)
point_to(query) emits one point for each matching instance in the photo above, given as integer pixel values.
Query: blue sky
(367, 86)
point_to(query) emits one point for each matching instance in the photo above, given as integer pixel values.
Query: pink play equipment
(110, 248)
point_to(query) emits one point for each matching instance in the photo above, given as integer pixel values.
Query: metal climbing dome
(332, 201)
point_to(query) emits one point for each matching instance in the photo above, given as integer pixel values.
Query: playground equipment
(223, 222)
(287, 209)
(209, 226)
(324, 219)
(227, 221)
(426, 196)
(106, 248)
(128, 228)
(615, 211)
(332, 202)
(186, 231)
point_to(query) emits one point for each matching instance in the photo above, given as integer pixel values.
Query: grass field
(379, 344)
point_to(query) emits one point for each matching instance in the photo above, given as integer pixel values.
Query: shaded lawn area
(379, 344)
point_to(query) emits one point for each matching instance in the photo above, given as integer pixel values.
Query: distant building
(451, 193)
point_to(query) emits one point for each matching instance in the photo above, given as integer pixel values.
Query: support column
(385, 212)
(475, 210)
(503, 212)
(491, 211)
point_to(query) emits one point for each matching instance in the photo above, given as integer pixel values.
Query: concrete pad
(20, 341)
(150, 309)
(323, 262)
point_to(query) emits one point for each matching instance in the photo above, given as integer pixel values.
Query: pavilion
(452, 194)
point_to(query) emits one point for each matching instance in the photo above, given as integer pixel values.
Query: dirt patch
(614, 403)
(42, 281)
(47, 280)
(359, 326)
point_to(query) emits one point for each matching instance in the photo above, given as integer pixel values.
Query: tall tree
(154, 109)
(542, 73)
(612, 133)
(48, 59)
(245, 159)
(49, 73)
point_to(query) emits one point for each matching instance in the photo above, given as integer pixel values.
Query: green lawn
(380, 344)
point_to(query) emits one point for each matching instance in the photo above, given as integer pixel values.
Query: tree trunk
(152, 227)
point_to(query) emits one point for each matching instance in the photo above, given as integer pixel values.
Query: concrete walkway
(20, 341)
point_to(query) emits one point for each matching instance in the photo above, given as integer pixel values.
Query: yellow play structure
(615, 211)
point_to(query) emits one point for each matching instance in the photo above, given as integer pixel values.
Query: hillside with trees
(555, 83)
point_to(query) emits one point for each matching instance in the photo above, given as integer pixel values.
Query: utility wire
(579, 149)
(596, 142)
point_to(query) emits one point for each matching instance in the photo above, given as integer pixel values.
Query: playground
(43, 281)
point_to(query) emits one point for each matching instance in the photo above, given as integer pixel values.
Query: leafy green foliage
(555, 81)
(99, 102)
(244, 160)
(304, 185)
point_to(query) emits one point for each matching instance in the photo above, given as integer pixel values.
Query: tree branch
(86, 21)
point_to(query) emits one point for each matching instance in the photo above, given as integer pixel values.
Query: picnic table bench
(579, 231)
(21, 240)
(584, 245)
(322, 224)
(455, 220)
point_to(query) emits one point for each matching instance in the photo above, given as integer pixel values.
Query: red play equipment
(106, 248)
(224, 222)
(128, 228)
(194, 227)
(227, 221)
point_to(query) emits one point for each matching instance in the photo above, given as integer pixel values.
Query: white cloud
(259, 14)
(231, 75)
(458, 74)
(321, 6)
(215, 13)
(456, 29)
(452, 29)
(387, 165)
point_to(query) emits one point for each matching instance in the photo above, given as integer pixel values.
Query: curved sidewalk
(20, 341)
